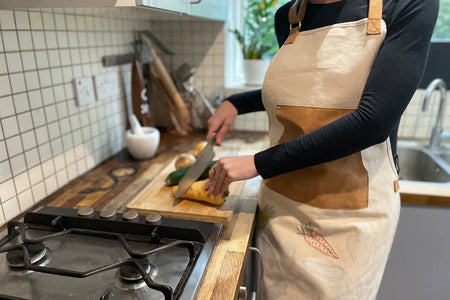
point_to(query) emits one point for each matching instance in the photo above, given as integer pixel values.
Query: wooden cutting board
(156, 197)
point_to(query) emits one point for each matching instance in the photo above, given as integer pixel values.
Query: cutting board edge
(181, 215)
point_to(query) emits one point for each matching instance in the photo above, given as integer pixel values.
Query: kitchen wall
(45, 139)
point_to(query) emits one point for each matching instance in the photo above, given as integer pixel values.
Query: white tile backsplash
(21, 103)
(36, 20)
(35, 174)
(51, 184)
(7, 19)
(28, 140)
(14, 62)
(10, 41)
(10, 126)
(32, 157)
(5, 87)
(7, 105)
(11, 208)
(2, 217)
(45, 152)
(17, 83)
(25, 122)
(5, 170)
(18, 164)
(47, 96)
(38, 190)
(28, 61)
(48, 20)
(25, 41)
(25, 200)
(14, 146)
(3, 67)
(45, 78)
(22, 20)
(21, 182)
(7, 190)
(3, 153)
(38, 40)
(41, 59)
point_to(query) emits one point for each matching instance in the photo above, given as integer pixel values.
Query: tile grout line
(7, 151)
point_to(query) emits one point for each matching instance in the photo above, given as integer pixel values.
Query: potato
(197, 192)
(199, 148)
(184, 160)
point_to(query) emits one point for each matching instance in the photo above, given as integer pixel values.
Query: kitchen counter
(117, 181)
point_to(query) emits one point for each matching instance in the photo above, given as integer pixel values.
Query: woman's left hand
(229, 169)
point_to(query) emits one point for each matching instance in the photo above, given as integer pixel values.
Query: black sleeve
(252, 101)
(247, 102)
(393, 79)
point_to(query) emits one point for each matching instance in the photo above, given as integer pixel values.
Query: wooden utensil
(177, 127)
(139, 98)
(170, 88)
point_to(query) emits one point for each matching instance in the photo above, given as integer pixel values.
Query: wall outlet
(84, 90)
(106, 85)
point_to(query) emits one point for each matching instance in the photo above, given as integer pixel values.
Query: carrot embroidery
(316, 240)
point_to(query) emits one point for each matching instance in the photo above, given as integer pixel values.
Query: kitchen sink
(417, 163)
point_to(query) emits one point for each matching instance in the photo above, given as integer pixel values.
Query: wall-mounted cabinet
(178, 6)
(209, 9)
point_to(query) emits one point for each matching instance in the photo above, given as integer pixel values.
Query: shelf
(212, 10)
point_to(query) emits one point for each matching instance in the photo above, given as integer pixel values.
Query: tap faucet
(437, 134)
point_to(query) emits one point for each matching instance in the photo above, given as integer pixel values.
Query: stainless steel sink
(419, 164)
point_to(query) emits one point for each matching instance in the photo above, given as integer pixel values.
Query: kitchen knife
(197, 168)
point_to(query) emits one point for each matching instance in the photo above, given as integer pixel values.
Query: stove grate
(20, 229)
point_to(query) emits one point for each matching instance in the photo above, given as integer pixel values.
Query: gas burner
(15, 258)
(130, 272)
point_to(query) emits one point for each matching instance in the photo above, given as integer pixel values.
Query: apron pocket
(338, 184)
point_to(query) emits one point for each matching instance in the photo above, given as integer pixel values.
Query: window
(234, 58)
(442, 30)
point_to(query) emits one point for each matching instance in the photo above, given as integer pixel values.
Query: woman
(334, 94)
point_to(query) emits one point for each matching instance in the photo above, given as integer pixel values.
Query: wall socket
(106, 85)
(84, 90)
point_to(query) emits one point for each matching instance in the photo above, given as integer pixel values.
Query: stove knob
(107, 213)
(153, 218)
(85, 211)
(130, 216)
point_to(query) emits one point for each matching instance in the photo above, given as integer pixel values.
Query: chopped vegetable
(184, 160)
(175, 177)
(199, 148)
(198, 192)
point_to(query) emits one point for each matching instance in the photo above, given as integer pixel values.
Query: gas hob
(61, 253)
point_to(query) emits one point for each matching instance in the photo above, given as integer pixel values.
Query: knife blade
(197, 168)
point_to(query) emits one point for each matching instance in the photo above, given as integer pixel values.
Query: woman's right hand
(221, 121)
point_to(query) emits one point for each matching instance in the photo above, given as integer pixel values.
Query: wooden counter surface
(425, 194)
(115, 182)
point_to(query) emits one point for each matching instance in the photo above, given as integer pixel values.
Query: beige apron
(325, 232)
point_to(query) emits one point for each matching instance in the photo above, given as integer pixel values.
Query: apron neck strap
(375, 15)
(297, 14)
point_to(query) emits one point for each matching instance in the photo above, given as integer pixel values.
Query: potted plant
(258, 39)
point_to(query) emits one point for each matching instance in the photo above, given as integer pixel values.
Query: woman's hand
(229, 169)
(221, 121)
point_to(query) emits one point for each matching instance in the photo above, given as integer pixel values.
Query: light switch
(84, 90)
(106, 85)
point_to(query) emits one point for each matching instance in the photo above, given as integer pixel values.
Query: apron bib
(325, 232)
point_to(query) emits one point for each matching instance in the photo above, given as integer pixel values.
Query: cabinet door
(180, 6)
(210, 9)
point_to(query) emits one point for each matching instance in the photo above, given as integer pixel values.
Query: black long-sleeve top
(392, 81)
